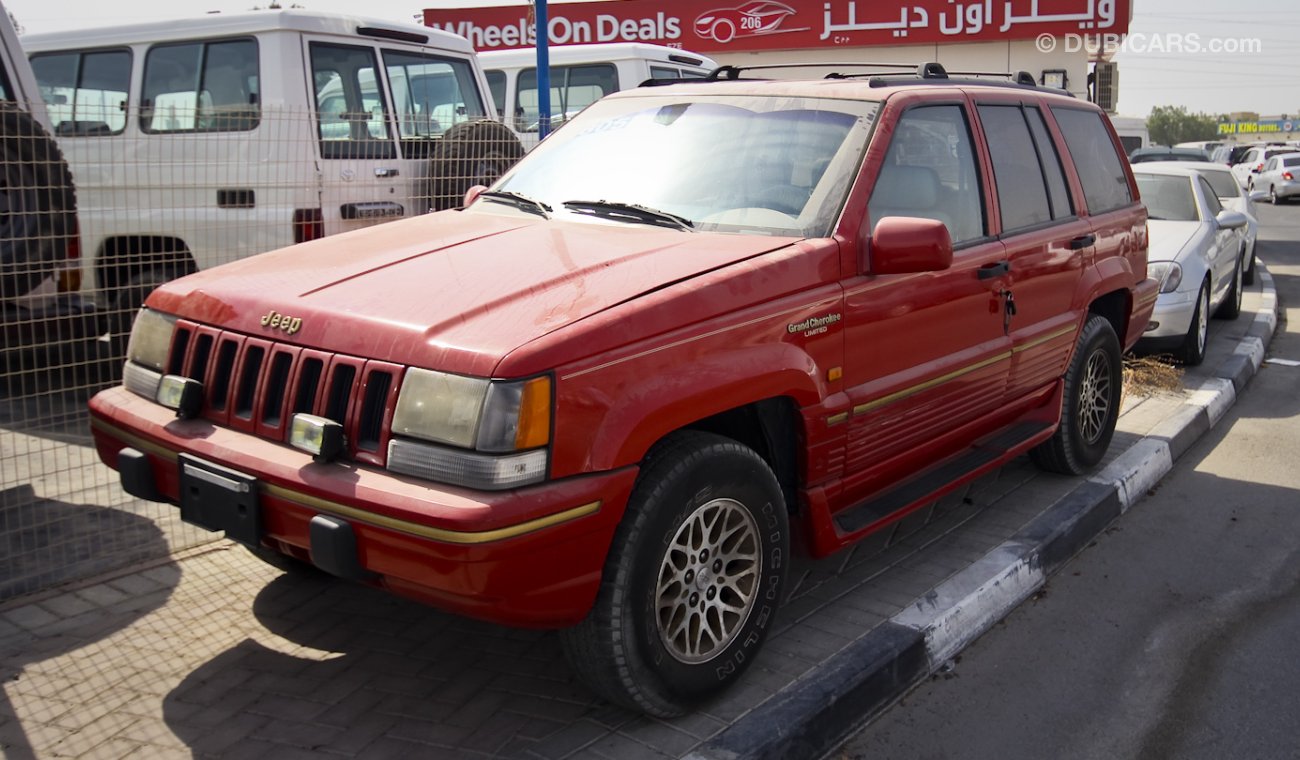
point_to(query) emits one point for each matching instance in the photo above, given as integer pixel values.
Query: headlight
(482, 419)
(151, 338)
(1169, 273)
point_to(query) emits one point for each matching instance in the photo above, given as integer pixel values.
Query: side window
(573, 88)
(1022, 189)
(6, 89)
(1058, 194)
(351, 115)
(496, 79)
(430, 94)
(84, 92)
(930, 172)
(1211, 199)
(1100, 168)
(201, 87)
(1272, 164)
(663, 72)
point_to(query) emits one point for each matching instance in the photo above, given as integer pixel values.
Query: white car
(1195, 252)
(1280, 177)
(1253, 162)
(1234, 198)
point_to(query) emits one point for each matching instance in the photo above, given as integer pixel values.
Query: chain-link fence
(96, 215)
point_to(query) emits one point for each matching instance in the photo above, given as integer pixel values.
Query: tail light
(1259, 167)
(1287, 176)
(308, 224)
(70, 274)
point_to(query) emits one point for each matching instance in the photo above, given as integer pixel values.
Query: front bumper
(1172, 315)
(531, 557)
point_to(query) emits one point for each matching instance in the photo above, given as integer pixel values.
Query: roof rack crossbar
(1019, 77)
(729, 72)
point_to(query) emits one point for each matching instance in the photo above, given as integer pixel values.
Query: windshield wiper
(521, 202)
(631, 212)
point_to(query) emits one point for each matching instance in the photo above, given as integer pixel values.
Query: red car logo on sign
(748, 20)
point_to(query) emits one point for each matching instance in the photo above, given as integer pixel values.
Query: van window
(665, 72)
(496, 79)
(930, 172)
(1105, 185)
(573, 88)
(430, 94)
(350, 110)
(201, 87)
(84, 92)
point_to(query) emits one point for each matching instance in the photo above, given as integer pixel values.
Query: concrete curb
(813, 715)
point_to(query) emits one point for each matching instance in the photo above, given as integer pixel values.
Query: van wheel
(471, 153)
(692, 581)
(38, 204)
(1094, 383)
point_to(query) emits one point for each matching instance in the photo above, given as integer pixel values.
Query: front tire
(1231, 306)
(1248, 270)
(1192, 352)
(692, 581)
(1094, 383)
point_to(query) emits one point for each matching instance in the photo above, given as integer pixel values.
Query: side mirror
(1231, 220)
(905, 244)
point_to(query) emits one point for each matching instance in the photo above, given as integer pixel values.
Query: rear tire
(38, 204)
(693, 578)
(1094, 384)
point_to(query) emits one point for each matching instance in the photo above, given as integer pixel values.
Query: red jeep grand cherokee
(698, 320)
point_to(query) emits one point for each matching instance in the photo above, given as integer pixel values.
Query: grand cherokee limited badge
(277, 321)
(813, 325)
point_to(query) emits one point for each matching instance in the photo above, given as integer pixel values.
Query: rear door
(380, 108)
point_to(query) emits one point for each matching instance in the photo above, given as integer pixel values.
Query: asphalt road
(1176, 634)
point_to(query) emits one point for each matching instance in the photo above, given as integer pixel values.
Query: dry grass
(1145, 375)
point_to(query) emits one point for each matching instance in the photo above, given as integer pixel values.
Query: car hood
(1167, 239)
(455, 291)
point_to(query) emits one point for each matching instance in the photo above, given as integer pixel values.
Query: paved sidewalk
(214, 654)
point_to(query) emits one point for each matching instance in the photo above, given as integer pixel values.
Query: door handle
(989, 271)
(1083, 241)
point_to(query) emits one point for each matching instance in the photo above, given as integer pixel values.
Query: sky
(1262, 74)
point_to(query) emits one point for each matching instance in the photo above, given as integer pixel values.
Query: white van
(201, 141)
(580, 75)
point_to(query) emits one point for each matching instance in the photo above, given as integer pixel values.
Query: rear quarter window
(1099, 165)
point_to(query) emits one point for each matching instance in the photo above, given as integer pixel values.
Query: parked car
(1279, 177)
(1196, 254)
(200, 141)
(1205, 146)
(1234, 198)
(1165, 153)
(41, 310)
(580, 75)
(1252, 163)
(1230, 154)
(599, 396)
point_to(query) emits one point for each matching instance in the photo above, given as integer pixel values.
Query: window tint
(430, 94)
(201, 87)
(1291, 161)
(573, 88)
(1022, 165)
(1211, 199)
(85, 93)
(1167, 197)
(1224, 184)
(1100, 168)
(930, 172)
(496, 79)
(350, 110)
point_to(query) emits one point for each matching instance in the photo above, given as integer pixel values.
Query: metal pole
(543, 72)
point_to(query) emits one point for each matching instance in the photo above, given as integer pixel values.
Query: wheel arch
(121, 258)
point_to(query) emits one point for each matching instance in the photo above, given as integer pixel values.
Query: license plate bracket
(219, 498)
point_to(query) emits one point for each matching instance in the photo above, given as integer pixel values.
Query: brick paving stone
(297, 734)
(349, 708)
(619, 747)
(101, 595)
(154, 732)
(86, 739)
(30, 617)
(699, 725)
(117, 749)
(568, 740)
(429, 732)
(286, 708)
(419, 708)
(227, 734)
(358, 733)
(389, 748)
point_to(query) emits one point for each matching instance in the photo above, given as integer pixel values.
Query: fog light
(182, 394)
(318, 436)
(1152, 325)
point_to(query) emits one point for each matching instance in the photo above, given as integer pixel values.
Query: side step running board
(929, 480)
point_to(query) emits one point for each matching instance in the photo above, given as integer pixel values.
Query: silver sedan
(1195, 252)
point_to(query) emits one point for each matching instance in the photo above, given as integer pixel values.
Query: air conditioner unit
(1106, 93)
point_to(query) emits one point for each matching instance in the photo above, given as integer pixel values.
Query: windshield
(1168, 197)
(756, 165)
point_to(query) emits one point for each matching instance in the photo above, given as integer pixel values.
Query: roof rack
(924, 70)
